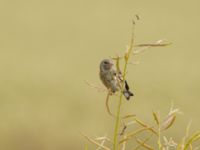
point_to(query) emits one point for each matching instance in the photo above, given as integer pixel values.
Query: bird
(113, 79)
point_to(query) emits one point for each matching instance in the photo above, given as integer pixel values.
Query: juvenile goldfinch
(112, 78)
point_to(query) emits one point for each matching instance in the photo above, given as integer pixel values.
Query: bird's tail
(126, 91)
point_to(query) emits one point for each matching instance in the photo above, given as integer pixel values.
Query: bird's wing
(126, 86)
(120, 77)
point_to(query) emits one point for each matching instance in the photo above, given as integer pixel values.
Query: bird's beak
(111, 64)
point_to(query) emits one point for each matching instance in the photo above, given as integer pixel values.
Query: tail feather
(126, 85)
(128, 94)
(126, 91)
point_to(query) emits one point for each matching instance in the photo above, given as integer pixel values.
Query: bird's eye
(105, 62)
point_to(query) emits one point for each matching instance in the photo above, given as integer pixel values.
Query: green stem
(117, 121)
(115, 145)
(159, 138)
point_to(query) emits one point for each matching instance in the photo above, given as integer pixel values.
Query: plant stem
(115, 144)
(117, 121)
(159, 138)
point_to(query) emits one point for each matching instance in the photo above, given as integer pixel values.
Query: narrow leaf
(168, 122)
(128, 116)
(156, 118)
(192, 139)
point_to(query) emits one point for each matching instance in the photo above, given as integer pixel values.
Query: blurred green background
(49, 47)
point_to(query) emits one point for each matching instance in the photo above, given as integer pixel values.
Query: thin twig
(124, 143)
(99, 89)
(126, 57)
(107, 104)
(132, 134)
(147, 46)
(94, 142)
(142, 143)
(145, 125)
(102, 144)
(103, 138)
(153, 44)
(123, 130)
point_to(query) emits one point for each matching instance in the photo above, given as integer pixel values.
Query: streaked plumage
(112, 79)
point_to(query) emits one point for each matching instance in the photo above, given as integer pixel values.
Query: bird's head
(106, 64)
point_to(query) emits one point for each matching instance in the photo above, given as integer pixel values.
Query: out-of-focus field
(48, 49)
